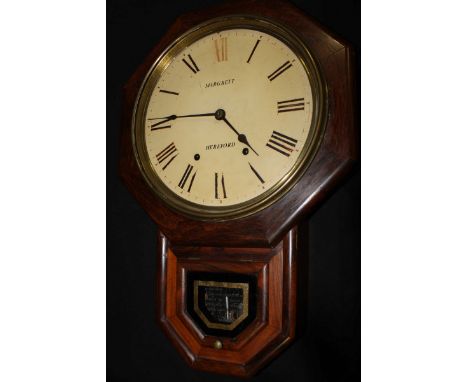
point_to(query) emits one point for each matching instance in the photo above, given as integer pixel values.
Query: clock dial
(228, 118)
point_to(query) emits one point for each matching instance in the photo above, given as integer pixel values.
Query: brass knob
(218, 344)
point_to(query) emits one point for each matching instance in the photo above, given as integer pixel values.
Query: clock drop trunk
(195, 285)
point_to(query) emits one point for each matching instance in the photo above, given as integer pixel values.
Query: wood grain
(271, 331)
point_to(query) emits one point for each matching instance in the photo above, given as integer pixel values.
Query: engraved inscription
(212, 84)
(222, 305)
(220, 146)
(225, 305)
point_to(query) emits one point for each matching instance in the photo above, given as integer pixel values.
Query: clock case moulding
(265, 243)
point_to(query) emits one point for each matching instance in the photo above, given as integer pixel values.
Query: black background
(137, 350)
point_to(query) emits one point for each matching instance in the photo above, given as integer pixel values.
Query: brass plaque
(221, 305)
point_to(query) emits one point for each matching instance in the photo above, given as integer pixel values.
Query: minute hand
(172, 117)
(241, 137)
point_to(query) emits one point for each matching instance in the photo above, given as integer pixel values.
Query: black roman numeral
(193, 66)
(168, 92)
(256, 173)
(185, 177)
(253, 51)
(156, 126)
(170, 152)
(159, 125)
(281, 143)
(217, 181)
(291, 105)
(280, 70)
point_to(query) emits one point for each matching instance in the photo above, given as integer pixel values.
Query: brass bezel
(222, 284)
(316, 132)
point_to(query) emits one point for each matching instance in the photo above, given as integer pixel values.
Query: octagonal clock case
(239, 122)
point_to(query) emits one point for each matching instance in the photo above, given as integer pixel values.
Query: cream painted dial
(228, 118)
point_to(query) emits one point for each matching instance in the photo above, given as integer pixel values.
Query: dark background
(137, 350)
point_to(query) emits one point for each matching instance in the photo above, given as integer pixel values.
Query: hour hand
(240, 137)
(243, 139)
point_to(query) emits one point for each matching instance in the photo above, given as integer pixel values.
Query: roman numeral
(256, 173)
(253, 51)
(280, 70)
(156, 126)
(193, 66)
(167, 153)
(281, 143)
(219, 183)
(168, 92)
(160, 125)
(291, 105)
(221, 49)
(186, 176)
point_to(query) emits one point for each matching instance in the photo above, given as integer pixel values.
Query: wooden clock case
(266, 244)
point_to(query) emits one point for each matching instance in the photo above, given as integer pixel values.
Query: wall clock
(237, 125)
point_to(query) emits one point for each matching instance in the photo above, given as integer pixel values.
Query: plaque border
(222, 284)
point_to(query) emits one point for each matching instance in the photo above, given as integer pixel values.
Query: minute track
(234, 155)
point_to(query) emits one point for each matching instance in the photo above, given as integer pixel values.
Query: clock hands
(220, 115)
(172, 117)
